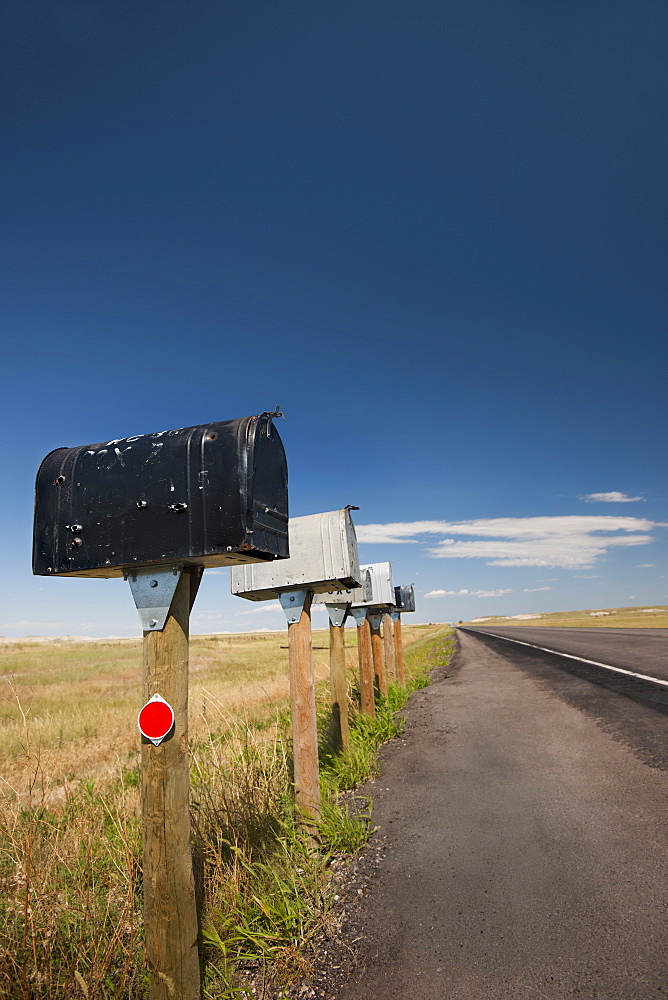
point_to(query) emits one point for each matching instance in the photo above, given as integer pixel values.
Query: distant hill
(652, 616)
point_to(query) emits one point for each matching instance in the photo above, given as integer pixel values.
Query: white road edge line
(569, 656)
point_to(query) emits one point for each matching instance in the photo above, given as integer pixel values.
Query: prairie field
(71, 918)
(651, 616)
(77, 702)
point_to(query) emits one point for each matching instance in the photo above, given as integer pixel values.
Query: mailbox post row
(158, 509)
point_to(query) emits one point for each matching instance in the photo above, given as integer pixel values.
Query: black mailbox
(206, 496)
(404, 598)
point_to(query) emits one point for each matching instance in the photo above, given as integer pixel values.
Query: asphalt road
(640, 649)
(522, 839)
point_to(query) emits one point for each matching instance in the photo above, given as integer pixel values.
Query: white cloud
(571, 542)
(399, 531)
(447, 593)
(613, 497)
(645, 566)
(490, 593)
(262, 606)
(534, 590)
(469, 593)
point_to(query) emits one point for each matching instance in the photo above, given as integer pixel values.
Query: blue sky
(434, 232)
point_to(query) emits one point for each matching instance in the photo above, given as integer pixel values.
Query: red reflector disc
(156, 719)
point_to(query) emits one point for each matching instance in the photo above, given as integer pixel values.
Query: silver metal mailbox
(404, 598)
(361, 595)
(382, 588)
(323, 556)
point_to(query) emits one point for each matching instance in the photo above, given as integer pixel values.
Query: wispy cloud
(571, 542)
(534, 590)
(613, 497)
(645, 566)
(469, 593)
(259, 608)
(490, 593)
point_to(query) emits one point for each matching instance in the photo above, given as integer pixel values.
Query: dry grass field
(71, 923)
(652, 616)
(77, 702)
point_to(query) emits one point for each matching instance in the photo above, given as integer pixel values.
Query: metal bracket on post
(376, 618)
(395, 616)
(359, 614)
(196, 574)
(292, 602)
(153, 591)
(337, 613)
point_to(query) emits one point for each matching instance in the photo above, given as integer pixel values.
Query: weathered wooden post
(375, 619)
(338, 604)
(399, 649)
(170, 916)
(323, 558)
(388, 643)
(367, 699)
(297, 607)
(379, 600)
(404, 600)
(158, 509)
(337, 675)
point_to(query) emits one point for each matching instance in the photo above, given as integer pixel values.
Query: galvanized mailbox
(404, 598)
(382, 588)
(205, 496)
(323, 556)
(360, 594)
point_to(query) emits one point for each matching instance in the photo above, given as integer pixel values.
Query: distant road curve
(639, 652)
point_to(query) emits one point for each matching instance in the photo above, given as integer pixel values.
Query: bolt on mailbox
(210, 495)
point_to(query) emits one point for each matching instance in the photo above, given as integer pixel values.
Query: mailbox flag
(156, 719)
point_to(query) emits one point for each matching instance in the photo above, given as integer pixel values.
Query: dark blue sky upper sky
(434, 232)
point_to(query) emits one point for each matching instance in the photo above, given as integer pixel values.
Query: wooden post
(367, 700)
(399, 652)
(304, 726)
(339, 685)
(170, 917)
(377, 652)
(388, 642)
